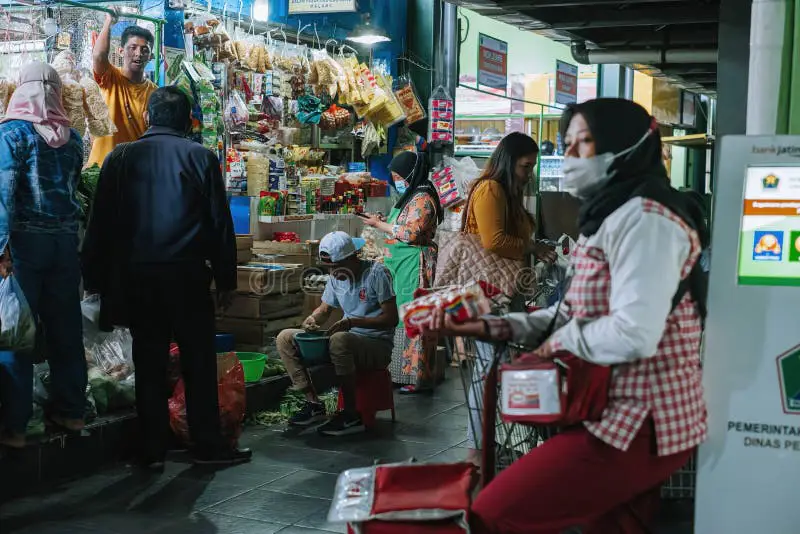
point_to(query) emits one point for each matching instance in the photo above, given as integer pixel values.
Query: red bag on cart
(562, 392)
(405, 498)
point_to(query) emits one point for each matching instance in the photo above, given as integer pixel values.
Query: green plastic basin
(253, 364)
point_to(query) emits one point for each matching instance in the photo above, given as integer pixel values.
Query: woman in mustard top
(497, 214)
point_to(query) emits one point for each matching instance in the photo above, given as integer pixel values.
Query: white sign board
(305, 7)
(566, 83)
(748, 468)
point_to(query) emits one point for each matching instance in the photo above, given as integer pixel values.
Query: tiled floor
(287, 487)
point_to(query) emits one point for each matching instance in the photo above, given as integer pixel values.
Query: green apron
(403, 261)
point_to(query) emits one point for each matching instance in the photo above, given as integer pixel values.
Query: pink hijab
(37, 100)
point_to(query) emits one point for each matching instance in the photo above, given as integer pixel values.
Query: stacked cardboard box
(244, 249)
(305, 254)
(268, 299)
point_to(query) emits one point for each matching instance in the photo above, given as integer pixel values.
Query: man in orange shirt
(125, 90)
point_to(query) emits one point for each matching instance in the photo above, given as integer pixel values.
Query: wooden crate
(305, 254)
(269, 307)
(252, 279)
(256, 332)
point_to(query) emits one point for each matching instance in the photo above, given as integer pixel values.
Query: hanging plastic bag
(231, 391)
(111, 352)
(17, 326)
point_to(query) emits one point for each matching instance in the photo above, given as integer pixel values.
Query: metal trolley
(513, 441)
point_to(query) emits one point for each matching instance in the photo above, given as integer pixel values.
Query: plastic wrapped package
(7, 89)
(236, 113)
(257, 174)
(460, 303)
(66, 64)
(406, 95)
(111, 352)
(72, 98)
(465, 171)
(98, 118)
(17, 325)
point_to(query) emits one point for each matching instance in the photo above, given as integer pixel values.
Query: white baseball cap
(339, 246)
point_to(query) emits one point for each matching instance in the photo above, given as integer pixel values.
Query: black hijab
(413, 168)
(617, 125)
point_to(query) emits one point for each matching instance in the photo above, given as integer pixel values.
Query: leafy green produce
(87, 188)
(292, 402)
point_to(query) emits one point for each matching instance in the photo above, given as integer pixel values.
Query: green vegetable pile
(274, 367)
(292, 402)
(87, 188)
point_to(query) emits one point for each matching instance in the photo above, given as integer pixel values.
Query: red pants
(576, 480)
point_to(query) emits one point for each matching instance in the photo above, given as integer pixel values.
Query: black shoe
(147, 466)
(310, 414)
(343, 424)
(229, 457)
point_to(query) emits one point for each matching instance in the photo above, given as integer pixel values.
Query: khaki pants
(349, 352)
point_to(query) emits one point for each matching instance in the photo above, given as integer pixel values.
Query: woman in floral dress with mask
(410, 254)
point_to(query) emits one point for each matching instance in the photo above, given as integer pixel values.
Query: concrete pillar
(766, 56)
(732, 70)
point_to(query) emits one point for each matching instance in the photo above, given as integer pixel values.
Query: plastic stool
(373, 394)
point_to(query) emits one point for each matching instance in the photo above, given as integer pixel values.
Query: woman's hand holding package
(442, 324)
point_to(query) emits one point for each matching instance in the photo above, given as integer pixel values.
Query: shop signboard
(566, 83)
(310, 7)
(748, 465)
(492, 63)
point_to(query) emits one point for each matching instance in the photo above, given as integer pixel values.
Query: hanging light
(49, 24)
(261, 10)
(367, 34)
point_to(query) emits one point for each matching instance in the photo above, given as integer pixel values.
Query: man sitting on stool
(363, 339)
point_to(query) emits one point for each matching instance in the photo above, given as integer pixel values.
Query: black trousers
(167, 301)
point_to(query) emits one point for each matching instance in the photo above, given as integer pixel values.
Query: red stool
(373, 394)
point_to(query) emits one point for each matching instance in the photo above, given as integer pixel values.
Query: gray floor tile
(306, 483)
(455, 454)
(209, 523)
(58, 527)
(301, 530)
(319, 521)
(447, 420)
(249, 476)
(271, 506)
(127, 522)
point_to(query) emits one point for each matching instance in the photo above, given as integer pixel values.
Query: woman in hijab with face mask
(635, 303)
(410, 255)
(40, 168)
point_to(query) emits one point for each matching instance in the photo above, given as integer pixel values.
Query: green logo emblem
(789, 377)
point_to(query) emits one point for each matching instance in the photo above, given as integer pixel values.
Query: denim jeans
(16, 391)
(47, 268)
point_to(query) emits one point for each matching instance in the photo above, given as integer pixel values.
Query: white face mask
(585, 176)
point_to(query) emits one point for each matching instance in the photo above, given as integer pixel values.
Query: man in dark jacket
(160, 218)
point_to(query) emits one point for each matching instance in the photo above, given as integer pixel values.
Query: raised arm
(102, 47)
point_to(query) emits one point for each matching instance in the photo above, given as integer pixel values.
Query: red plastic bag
(231, 391)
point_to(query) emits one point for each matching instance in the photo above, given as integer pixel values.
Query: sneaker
(310, 414)
(343, 424)
(229, 457)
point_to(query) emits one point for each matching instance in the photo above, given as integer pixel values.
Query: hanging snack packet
(445, 183)
(409, 101)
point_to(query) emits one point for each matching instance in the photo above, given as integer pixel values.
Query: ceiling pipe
(583, 55)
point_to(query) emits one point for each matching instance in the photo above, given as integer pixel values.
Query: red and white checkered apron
(667, 386)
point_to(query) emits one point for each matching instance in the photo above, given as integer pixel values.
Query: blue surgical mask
(401, 187)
